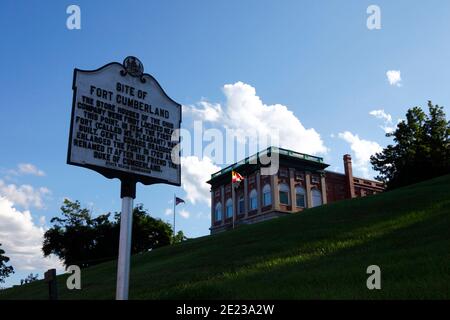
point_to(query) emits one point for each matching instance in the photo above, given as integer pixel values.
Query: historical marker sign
(122, 124)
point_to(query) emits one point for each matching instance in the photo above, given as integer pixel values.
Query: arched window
(218, 212)
(267, 195)
(241, 204)
(253, 200)
(316, 197)
(300, 196)
(283, 189)
(229, 206)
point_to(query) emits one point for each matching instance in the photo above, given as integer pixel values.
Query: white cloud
(245, 115)
(394, 77)
(386, 118)
(381, 114)
(28, 168)
(185, 214)
(207, 112)
(22, 240)
(362, 150)
(42, 221)
(24, 195)
(388, 129)
(194, 175)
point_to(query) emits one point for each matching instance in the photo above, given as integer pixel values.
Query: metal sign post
(174, 214)
(233, 196)
(127, 193)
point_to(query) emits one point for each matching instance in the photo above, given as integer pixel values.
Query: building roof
(283, 153)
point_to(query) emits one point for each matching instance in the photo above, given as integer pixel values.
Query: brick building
(301, 182)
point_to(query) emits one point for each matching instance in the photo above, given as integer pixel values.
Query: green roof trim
(254, 159)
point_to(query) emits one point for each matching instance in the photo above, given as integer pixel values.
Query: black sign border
(113, 173)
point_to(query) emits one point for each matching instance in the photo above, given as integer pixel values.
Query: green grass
(321, 253)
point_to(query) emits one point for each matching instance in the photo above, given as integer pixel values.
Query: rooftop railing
(254, 159)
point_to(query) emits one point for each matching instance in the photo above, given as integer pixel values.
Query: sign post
(174, 214)
(123, 125)
(127, 193)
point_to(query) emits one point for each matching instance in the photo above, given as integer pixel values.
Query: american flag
(178, 201)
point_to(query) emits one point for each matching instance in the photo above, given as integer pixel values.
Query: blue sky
(316, 58)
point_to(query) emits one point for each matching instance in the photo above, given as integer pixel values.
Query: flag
(178, 201)
(236, 177)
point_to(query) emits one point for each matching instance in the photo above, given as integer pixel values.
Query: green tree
(148, 232)
(29, 279)
(421, 150)
(5, 270)
(73, 237)
(78, 238)
(179, 237)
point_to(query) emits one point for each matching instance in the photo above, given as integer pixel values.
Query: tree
(421, 150)
(5, 270)
(148, 232)
(179, 237)
(73, 237)
(78, 238)
(29, 279)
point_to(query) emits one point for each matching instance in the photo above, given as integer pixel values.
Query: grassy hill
(320, 253)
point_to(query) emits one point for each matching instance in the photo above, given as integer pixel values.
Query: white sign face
(122, 124)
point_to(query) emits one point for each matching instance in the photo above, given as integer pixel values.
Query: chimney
(349, 176)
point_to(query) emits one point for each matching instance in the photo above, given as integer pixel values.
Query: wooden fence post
(50, 278)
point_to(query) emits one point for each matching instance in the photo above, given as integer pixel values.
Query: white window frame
(241, 200)
(283, 187)
(228, 205)
(314, 193)
(218, 212)
(253, 195)
(267, 191)
(300, 191)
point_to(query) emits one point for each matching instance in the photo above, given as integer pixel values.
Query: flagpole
(174, 207)
(233, 196)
